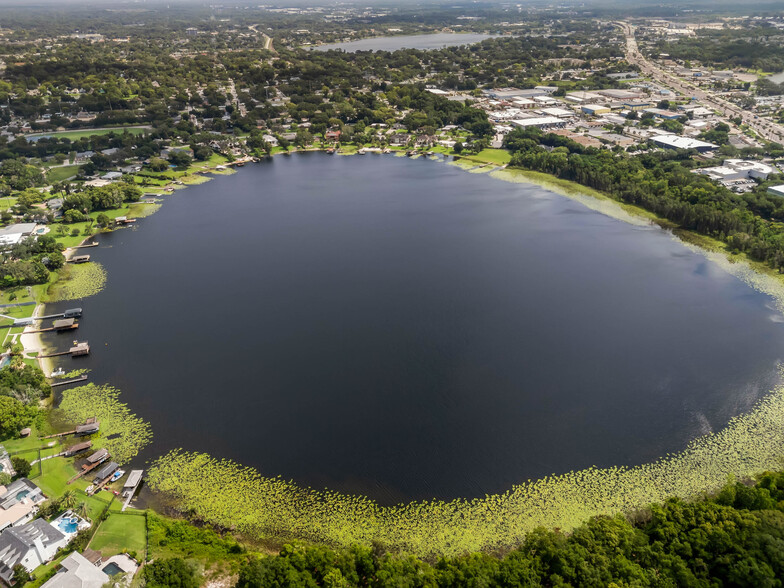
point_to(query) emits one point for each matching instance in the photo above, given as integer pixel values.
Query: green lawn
(58, 174)
(83, 133)
(498, 156)
(121, 532)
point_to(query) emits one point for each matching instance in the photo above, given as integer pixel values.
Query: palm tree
(82, 510)
(68, 499)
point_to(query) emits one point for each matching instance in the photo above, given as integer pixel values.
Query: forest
(662, 183)
(735, 538)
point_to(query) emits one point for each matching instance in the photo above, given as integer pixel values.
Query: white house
(76, 571)
(31, 545)
(19, 503)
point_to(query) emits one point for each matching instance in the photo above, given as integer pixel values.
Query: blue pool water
(68, 525)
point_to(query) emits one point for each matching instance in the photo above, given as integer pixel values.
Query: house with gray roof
(19, 502)
(76, 571)
(30, 545)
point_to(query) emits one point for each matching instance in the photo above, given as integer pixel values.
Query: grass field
(497, 156)
(58, 174)
(83, 133)
(119, 533)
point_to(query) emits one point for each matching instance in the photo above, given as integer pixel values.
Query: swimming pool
(112, 569)
(68, 524)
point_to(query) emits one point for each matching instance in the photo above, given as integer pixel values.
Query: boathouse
(80, 259)
(105, 472)
(72, 313)
(98, 456)
(78, 448)
(80, 348)
(63, 324)
(88, 428)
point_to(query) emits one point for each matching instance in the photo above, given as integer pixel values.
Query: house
(5, 462)
(76, 571)
(19, 503)
(83, 156)
(111, 176)
(31, 545)
(332, 135)
(12, 234)
(399, 139)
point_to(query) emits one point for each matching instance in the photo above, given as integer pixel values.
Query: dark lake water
(404, 329)
(395, 42)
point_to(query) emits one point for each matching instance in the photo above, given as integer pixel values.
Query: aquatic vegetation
(74, 373)
(143, 209)
(79, 281)
(229, 494)
(124, 433)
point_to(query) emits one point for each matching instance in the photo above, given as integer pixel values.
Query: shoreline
(593, 200)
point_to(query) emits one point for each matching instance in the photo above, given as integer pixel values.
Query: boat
(58, 372)
(117, 475)
(331, 151)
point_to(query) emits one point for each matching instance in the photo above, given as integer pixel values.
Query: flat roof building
(676, 142)
(541, 122)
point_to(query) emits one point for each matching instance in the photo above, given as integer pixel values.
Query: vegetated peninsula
(665, 118)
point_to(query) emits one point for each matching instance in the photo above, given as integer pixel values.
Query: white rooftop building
(12, 234)
(776, 190)
(542, 122)
(77, 572)
(676, 142)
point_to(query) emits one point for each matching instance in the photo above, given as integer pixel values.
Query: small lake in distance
(405, 330)
(395, 42)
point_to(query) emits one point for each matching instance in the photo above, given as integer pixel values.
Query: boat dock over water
(78, 349)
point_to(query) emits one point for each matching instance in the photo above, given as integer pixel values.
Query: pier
(78, 349)
(131, 485)
(81, 378)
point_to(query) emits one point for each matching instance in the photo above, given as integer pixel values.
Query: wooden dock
(78, 349)
(49, 329)
(81, 378)
(93, 244)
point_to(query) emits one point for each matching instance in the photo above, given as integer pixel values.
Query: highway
(763, 127)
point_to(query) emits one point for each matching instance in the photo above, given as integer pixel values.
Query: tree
(103, 220)
(180, 158)
(158, 165)
(173, 572)
(21, 575)
(458, 148)
(15, 416)
(68, 499)
(22, 466)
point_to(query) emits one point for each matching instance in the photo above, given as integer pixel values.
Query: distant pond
(393, 43)
(404, 329)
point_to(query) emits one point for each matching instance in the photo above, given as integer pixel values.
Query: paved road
(764, 128)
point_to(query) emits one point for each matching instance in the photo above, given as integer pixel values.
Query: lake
(404, 329)
(393, 43)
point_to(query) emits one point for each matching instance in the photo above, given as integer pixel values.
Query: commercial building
(676, 142)
(541, 122)
(776, 190)
(737, 169)
(594, 109)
